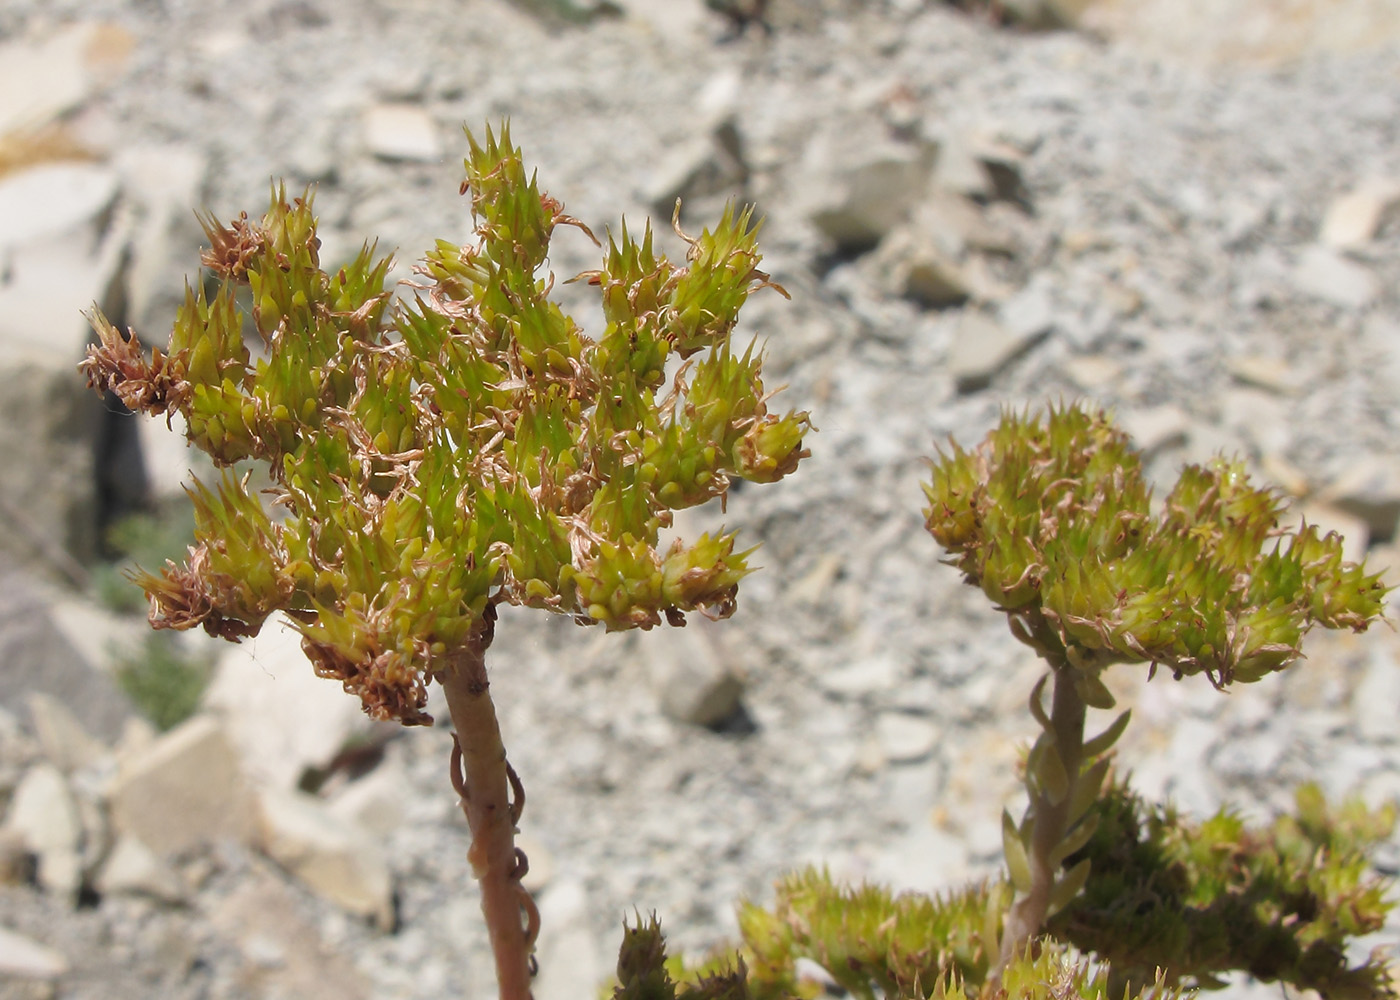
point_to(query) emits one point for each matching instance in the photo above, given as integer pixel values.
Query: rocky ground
(967, 217)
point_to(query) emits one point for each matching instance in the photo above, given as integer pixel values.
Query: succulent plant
(1054, 521)
(437, 454)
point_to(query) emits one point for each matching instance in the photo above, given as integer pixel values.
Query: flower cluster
(462, 446)
(1053, 520)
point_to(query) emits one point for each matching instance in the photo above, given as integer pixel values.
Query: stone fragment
(861, 187)
(62, 738)
(1375, 703)
(40, 82)
(910, 264)
(52, 199)
(708, 166)
(45, 815)
(696, 678)
(336, 860)
(1271, 374)
(283, 719)
(982, 347)
(1369, 490)
(132, 868)
(402, 132)
(904, 738)
(184, 790)
(1322, 273)
(958, 170)
(572, 960)
(25, 958)
(375, 803)
(286, 955)
(1029, 313)
(1353, 219)
(866, 675)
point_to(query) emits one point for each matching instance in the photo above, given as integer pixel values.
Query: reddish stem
(491, 798)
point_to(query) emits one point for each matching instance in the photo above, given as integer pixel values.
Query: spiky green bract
(465, 446)
(1198, 900)
(644, 972)
(871, 941)
(1052, 519)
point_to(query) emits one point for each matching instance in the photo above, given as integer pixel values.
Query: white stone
(24, 958)
(335, 859)
(183, 790)
(1324, 274)
(133, 868)
(39, 82)
(62, 738)
(282, 718)
(52, 199)
(903, 738)
(1354, 218)
(1154, 429)
(45, 815)
(926, 859)
(402, 132)
(695, 674)
(982, 347)
(1376, 700)
(1028, 313)
(909, 262)
(572, 960)
(958, 169)
(860, 187)
(866, 675)
(1369, 489)
(375, 802)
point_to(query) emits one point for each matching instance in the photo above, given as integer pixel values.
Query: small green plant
(163, 681)
(1104, 895)
(465, 446)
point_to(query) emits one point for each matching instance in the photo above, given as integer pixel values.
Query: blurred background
(1185, 210)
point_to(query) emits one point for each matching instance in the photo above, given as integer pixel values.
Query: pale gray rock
(62, 738)
(572, 959)
(39, 81)
(1354, 218)
(926, 859)
(1322, 273)
(697, 679)
(52, 199)
(909, 263)
(1029, 313)
(285, 954)
(334, 859)
(1375, 703)
(36, 656)
(44, 814)
(861, 186)
(25, 958)
(958, 168)
(870, 674)
(903, 738)
(184, 790)
(402, 131)
(282, 718)
(375, 803)
(982, 347)
(132, 868)
(1369, 489)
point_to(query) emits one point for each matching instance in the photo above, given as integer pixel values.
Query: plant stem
(1050, 821)
(484, 781)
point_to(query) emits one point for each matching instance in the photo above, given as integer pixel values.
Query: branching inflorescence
(436, 455)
